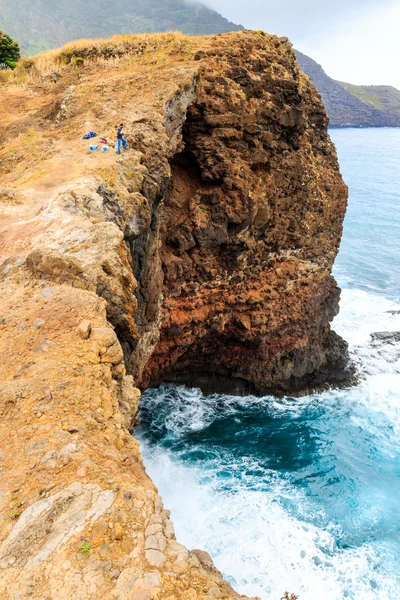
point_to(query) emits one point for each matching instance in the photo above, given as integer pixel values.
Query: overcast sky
(357, 41)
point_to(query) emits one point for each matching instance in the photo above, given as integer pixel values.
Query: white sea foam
(362, 313)
(254, 539)
(260, 548)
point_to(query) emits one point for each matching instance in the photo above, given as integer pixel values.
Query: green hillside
(382, 97)
(43, 24)
(351, 105)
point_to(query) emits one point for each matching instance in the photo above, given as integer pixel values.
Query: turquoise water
(303, 495)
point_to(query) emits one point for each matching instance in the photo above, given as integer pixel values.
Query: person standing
(120, 139)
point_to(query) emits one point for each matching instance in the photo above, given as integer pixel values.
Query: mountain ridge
(350, 105)
(41, 25)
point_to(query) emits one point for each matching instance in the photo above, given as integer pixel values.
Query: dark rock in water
(388, 337)
(337, 372)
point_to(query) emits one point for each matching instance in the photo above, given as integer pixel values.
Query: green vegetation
(16, 513)
(49, 24)
(78, 61)
(9, 51)
(363, 93)
(381, 97)
(85, 548)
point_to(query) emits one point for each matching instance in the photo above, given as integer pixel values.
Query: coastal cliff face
(247, 231)
(202, 254)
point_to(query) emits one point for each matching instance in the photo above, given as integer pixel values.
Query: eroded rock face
(249, 228)
(202, 254)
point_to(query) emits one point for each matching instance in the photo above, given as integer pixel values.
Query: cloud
(365, 51)
(296, 19)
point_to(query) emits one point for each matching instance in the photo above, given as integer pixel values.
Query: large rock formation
(246, 233)
(202, 254)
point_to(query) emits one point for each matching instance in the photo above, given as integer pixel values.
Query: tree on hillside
(9, 51)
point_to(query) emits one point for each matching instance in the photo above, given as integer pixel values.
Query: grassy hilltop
(40, 25)
(381, 97)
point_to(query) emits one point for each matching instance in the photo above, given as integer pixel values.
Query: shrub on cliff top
(9, 51)
(78, 61)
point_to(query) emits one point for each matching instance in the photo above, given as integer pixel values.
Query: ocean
(303, 495)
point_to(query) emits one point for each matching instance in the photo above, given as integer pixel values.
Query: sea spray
(302, 494)
(294, 493)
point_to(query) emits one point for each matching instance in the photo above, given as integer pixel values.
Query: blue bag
(93, 147)
(92, 134)
(86, 137)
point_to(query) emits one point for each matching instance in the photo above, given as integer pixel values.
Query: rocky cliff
(249, 228)
(203, 254)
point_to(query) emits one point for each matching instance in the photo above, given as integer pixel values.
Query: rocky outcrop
(249, 227)
(202, 254)
(385, 337)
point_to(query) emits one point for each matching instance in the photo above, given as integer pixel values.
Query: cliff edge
(203, 254)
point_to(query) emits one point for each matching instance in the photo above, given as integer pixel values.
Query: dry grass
(113, 73)
(109, 176)
(21, 153)
(123, 79)
(84, 52)
(111, 49)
